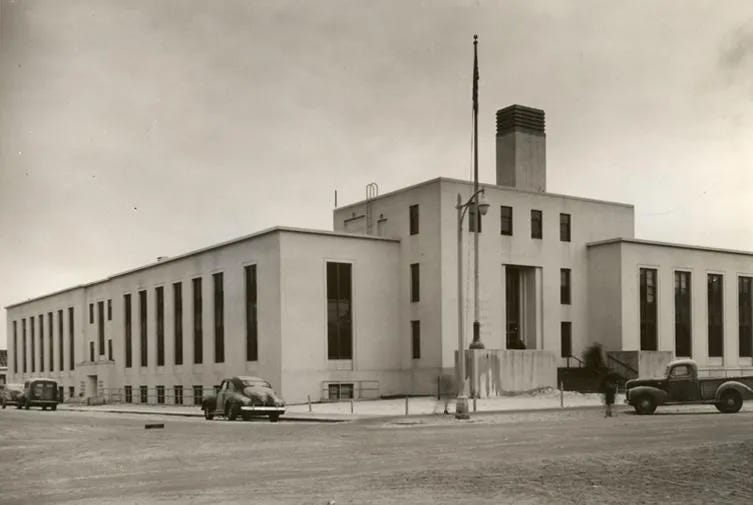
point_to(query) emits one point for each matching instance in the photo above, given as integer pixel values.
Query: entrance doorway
(91, 385)
(523, 307)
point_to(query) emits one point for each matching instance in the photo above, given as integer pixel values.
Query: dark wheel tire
(273, 418)
(26, 405)
(645, 405)
(4, 404)
(231, 411)
(44, 407)
(54, 407)
(730, 402)
(208, 415)
(19, 406)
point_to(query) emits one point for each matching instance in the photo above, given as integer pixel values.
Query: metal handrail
(622, 364)
(581, 364)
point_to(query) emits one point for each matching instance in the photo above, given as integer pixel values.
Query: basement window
(342, 391)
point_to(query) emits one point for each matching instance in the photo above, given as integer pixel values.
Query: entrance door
(512, 294)
(91, 385)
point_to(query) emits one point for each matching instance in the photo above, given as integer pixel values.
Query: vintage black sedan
(244, 397)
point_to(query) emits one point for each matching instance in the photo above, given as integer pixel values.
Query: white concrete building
(371, 308)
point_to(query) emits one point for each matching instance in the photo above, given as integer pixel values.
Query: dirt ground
(681, 456)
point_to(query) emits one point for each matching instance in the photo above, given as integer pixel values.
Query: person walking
(609, 390)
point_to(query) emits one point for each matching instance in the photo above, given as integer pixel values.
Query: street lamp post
(479, 207)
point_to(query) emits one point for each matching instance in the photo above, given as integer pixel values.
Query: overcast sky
(136, 129)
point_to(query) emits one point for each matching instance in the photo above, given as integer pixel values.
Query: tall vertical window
(15, 347)
(128, 394)
(160, 394)
(91, 313)
(31, 339)
(536, 224)
(61, 346)
(566, 339)
(198, 394)
(23, 344)
(109, 310)
(127, 333)
(565, 286)
(101, 328)
(505, 220)
(683, 340)
(565, 227)
(159, 314)
(415, 283)
(178, 393)
(142, 327)
(41, 342)
(71, 339)
(91, 352)
(198, 337)
(339, 311)
(648, 309)
(715, 285)
(413, 211)
(143, 394)
(178, 322)
(51, 339)
(415, 332)
(219, 318)
(745, 302)
(109, 349)
(252, 323)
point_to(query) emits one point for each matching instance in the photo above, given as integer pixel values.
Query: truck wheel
(273, 418)
(54, 407)
(645, 405)
(730, 402)
(208, 414)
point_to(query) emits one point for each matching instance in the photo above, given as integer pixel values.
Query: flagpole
(476, 344)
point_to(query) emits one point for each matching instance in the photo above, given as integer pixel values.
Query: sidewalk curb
(283, 418)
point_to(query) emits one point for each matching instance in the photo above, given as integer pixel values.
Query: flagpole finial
(475, 39)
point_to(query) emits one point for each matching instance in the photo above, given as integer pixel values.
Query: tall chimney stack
(521, 148)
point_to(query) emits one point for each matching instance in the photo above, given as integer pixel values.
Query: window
(340, 391)
(61, 346)
(565, 227)
(127, 330)
(565, 286)
(128, 394)
(91, 313)
(109, 349)
(15, 346)
(415, 330)
(252, 336)
(71, 392)
(51, 339)
(648, 309)
(159, 309)
(61, 392)
(715, 285)
(178, 323)
(31, 339)
(91, 351)
(566, 339)
(536, 224)
(745, 302)
(683, 341)
(198, 337)
(339, 311)
(505, 220)
(415, 283)
(219, 318)
(178, 391)
(413, 219)
(474, 219)
(71, 339)
(160, 394)
(23, 344)
(109, 310)
(197, 395)
(101, 327)
(143, 394)
(142, 328)
(41, 342)
(680, 371)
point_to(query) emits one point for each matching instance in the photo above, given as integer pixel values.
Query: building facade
(371, 308)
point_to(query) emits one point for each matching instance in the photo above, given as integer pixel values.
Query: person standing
(609, 390)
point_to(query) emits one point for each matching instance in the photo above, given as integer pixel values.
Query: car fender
(741, 388)
(659, 395)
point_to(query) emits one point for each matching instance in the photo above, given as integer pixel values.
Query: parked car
(10, 393)
(39, 393)
(244, 397)
(681, 385)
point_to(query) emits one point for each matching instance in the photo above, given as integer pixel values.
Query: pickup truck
(681, 385)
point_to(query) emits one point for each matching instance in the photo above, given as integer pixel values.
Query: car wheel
(44, 407)
(273, 418)
(54, 407)
(3, 402)
(208, 415)
(231, 411)
(645, 405)
(730, 402)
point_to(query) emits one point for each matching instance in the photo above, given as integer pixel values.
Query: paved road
(683, 456)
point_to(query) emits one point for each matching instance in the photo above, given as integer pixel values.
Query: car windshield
(258, 384)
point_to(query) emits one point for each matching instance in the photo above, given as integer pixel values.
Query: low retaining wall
(499, 372)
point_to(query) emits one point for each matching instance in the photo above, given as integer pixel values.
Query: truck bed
(709, 385)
